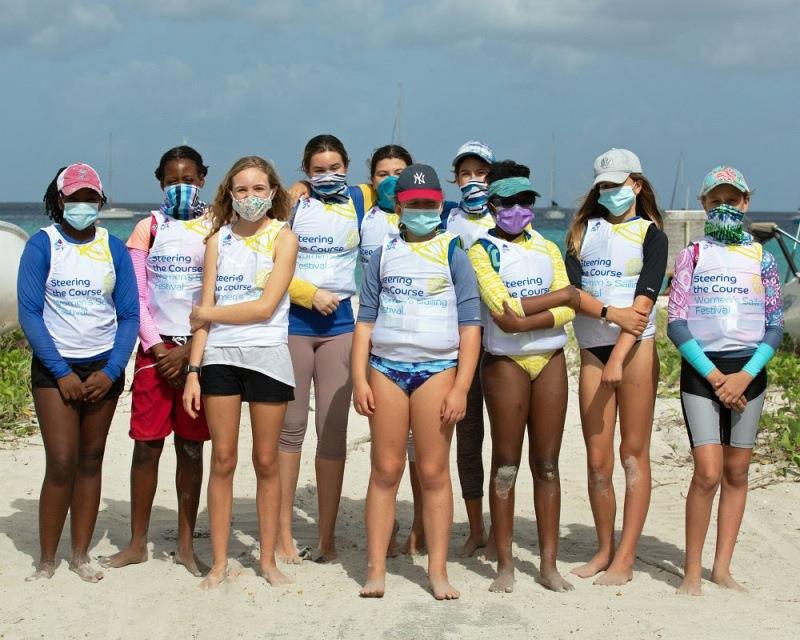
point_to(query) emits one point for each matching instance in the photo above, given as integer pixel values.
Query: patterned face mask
(251, 208)
(329, 186)
(725, 224)
(474, 196)
(182, 202)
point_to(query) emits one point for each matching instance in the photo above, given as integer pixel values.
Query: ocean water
(30, 216)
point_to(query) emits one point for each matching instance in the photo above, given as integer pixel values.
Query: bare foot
(85, 570)
(375, 586)
(598, 563)
(394, 546)
(726, 581)
(473, 543)
(553, 580)
(504, 582)
(614, 577)
(129, 555)
(216, 576)
(45, 570)
(274, 576)
(287, 553)
(415, 543)
(442, 589)
(691, 586)
(191, 562)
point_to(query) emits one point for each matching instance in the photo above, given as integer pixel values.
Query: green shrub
(16, 407)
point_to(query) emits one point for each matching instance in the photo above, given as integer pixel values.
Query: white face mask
(252, 208)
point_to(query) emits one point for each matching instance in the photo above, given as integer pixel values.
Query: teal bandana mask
(725, 224)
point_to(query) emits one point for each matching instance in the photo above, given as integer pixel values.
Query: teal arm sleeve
(759, 359)
(693, 353)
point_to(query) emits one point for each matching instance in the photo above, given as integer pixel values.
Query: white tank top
(726, 299)
(468, 227)
(418, 310)
(611, 261)
(175, 272)
(243, 267)
(376, 226)
(328, 245)
(79, 310)
(526, 270)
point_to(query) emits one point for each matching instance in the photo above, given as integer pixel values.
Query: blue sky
(715, 80)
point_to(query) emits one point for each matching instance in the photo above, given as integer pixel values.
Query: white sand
(161, 600)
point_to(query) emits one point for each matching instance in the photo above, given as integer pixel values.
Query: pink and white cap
(78, 176)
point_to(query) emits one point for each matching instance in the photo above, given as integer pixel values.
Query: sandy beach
(159, 599)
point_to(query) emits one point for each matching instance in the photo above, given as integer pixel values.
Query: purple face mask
(514, 219)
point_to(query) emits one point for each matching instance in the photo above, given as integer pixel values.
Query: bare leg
(95, 422)
(636, 396)
(189, 483)
(60, 427)
(598, 419)
(507, 389)
(699, 502)
(289, 469)
(389, 434)
(415, 543)
(223, 414)
(548, 410)
(144, 480)
(266, 419)
(330, 476)
(432, 440)
(732, 499)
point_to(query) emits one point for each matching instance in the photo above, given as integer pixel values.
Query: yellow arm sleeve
(302, 292)
(490, 285)
(561, 315)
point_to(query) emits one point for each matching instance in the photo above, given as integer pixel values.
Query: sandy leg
(84, 569)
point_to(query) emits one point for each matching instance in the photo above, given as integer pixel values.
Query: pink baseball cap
(78, 176)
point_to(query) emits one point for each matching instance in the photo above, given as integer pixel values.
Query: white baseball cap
(615, 165)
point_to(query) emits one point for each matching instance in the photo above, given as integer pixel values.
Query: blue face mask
(80, 215)
(474, 196)
(181, 202)
(617, 200)
(386, 193)
(421, 222)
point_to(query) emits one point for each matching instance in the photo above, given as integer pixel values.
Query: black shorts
(252, 386)
(42, 378)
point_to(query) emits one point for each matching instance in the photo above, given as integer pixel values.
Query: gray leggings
(326, 361)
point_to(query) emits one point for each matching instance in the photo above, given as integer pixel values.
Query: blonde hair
(221, 209)
(646, 207)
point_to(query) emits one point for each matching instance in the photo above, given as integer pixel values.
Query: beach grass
(16, 404)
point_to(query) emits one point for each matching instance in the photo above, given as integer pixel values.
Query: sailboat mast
(678, 181)
(110, 169)
(398, 118)
(553, 171)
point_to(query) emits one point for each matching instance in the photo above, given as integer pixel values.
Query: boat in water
(554, 212)
(12, 242)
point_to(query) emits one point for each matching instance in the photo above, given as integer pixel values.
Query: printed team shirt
(244, 265)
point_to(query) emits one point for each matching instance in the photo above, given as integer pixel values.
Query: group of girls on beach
(461, 304)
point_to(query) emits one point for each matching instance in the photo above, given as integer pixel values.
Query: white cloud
(51, 24)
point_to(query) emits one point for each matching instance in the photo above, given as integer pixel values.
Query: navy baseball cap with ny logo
(419, 182)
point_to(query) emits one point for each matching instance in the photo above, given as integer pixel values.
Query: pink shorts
(157, 408)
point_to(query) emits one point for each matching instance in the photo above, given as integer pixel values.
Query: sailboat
(110, 212)
(554, 212)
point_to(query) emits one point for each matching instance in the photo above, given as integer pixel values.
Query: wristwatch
(604, 313)
(190, 368)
